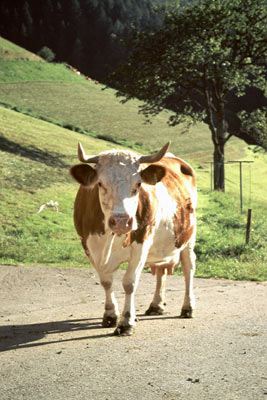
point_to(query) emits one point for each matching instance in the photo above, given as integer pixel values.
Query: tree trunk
(218, 159)
(216, 122)
(218, 155)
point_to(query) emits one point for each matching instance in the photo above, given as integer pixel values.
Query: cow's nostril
(130, 222)
(112, 222)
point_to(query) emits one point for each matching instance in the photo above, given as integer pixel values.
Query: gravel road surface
(52, 345)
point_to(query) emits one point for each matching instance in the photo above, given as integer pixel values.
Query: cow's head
(119, 175)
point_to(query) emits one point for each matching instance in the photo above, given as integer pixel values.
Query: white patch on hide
(107, 251)
(163, 249)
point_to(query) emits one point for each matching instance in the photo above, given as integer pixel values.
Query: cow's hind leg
(188, 266)
(158, 302)
(111, 313)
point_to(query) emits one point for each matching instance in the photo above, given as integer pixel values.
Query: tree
(255, 124)
(27, 17)
(46, 53)
(203, 53)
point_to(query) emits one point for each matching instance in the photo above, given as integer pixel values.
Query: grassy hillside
(54, 93)
(35, 157)
(25, 72)
(10, 51)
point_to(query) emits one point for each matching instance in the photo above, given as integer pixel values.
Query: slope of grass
(10, 51)
(86, 106)
(35, 157)
(15, 72)
(99, 112)
(53, 92)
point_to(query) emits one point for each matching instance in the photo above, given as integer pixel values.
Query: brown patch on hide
(189, 206)
(183, 228)
(182, 236)
(88, 215)
(144, 217)
(127, 241)
(86, 250)
(178, 179)
(180, 168)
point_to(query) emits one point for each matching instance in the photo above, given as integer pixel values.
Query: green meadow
(45, 109)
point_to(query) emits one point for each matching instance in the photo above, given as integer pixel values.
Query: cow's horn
(84, 158)
(155, 157)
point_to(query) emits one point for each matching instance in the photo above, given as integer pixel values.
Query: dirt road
(53, 347)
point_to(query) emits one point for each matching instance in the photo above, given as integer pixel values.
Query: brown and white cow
(140, 210)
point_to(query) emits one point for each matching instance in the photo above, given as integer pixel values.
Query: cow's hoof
(124, 330)
(186, 313)
(109, 322)
(154, 310)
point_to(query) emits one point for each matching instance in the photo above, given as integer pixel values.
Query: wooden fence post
(248, 225)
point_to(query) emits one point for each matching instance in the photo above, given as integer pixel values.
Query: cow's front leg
(188, 266)
(130, 283)
(111, 313)
(158, 302)
(128, 318)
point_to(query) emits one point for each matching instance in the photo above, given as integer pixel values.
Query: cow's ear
(153, 174)
(84, 174)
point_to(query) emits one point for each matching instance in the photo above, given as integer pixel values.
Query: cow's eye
(135, 190)
(101, 186)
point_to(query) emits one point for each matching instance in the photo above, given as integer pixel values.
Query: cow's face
(119, 178)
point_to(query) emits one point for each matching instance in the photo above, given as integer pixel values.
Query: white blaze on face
(119, 182)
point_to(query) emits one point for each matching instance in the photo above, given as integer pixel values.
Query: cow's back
(180, 179)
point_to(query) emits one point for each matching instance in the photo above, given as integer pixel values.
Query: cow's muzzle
(120, 223)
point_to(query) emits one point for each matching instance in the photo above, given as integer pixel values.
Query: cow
(140, 210)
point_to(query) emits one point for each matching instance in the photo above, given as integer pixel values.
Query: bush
(47, 54)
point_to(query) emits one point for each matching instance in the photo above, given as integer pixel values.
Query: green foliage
(255, 124)
(46, 53)
(221, 47)
(204, 53)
